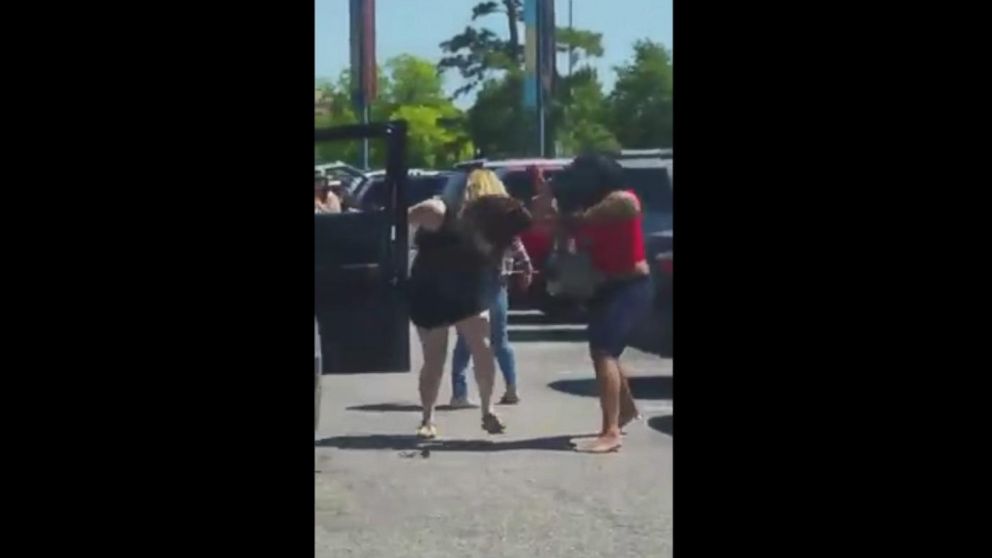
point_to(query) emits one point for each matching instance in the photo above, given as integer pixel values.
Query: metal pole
(541, 28)
(570, 56)
(540, 132)
(365, 140)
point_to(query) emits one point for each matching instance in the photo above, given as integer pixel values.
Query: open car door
(360, 269)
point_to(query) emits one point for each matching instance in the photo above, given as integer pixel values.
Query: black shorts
(615, 310)
(443, 298)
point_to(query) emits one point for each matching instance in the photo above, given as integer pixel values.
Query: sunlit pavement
(524, 493)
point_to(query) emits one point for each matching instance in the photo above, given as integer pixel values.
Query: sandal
(492, 424)
(597, 448)
(509, 399)
(427, 431)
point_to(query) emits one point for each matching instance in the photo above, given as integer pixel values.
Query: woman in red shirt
(606, 222)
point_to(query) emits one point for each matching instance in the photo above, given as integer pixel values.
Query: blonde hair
(484, 182)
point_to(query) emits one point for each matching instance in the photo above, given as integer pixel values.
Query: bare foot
(602, 444)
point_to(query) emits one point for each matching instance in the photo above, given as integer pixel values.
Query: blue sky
(418, 26)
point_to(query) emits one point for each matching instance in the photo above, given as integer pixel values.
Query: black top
(456, 273)
(449, 280)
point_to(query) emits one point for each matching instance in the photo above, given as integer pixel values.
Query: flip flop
(427, 431)
(509, 399)
(590, 448)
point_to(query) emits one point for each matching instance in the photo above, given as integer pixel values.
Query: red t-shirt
(614, 246)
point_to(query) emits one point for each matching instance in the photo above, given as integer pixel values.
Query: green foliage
(579, 43)
(411, 90)
(641, 102)
(583, 114)
(497, 120)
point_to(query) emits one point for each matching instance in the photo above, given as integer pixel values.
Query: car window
(424, 187)
(374, 195)
(653, 186)
(419, 188)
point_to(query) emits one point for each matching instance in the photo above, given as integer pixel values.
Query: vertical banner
(547, 53)
(363, 64)
(531, 85)
(540, 53)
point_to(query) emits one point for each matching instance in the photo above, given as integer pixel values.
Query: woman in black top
(452, 283)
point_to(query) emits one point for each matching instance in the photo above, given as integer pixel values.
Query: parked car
(351, 178)
(420, 185)
(654, 334)
(661, 153)
(650, 174)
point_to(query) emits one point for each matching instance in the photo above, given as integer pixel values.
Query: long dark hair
(586, 181)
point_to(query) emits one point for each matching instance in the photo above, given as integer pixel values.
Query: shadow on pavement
(642, 387)
(554, 334)
(412, 443)
(402, 408)
(665, 424)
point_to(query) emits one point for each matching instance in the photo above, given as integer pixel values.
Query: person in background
(324, 199)
(453, 280)
(346, 200)
(515, 262)
(605, 218)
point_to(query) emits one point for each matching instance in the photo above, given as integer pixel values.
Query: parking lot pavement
(379, 492)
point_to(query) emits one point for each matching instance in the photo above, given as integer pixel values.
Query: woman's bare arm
(616, 205)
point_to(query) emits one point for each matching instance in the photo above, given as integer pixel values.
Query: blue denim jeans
(499, 339)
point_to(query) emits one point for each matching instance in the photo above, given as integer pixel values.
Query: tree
(479, 53)
(413, 81)
(430, 144)
(410, 89)
(493, 67)
(641, 102)
(341, 113)
(584, 114)
(497, 120)
(579, 44)
(580, 111)
(415, 93)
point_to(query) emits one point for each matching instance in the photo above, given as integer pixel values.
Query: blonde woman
(452, 283)
(485, 183)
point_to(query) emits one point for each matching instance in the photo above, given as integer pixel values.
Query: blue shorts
(615, 310)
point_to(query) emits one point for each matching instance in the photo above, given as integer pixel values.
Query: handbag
(571, 274)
